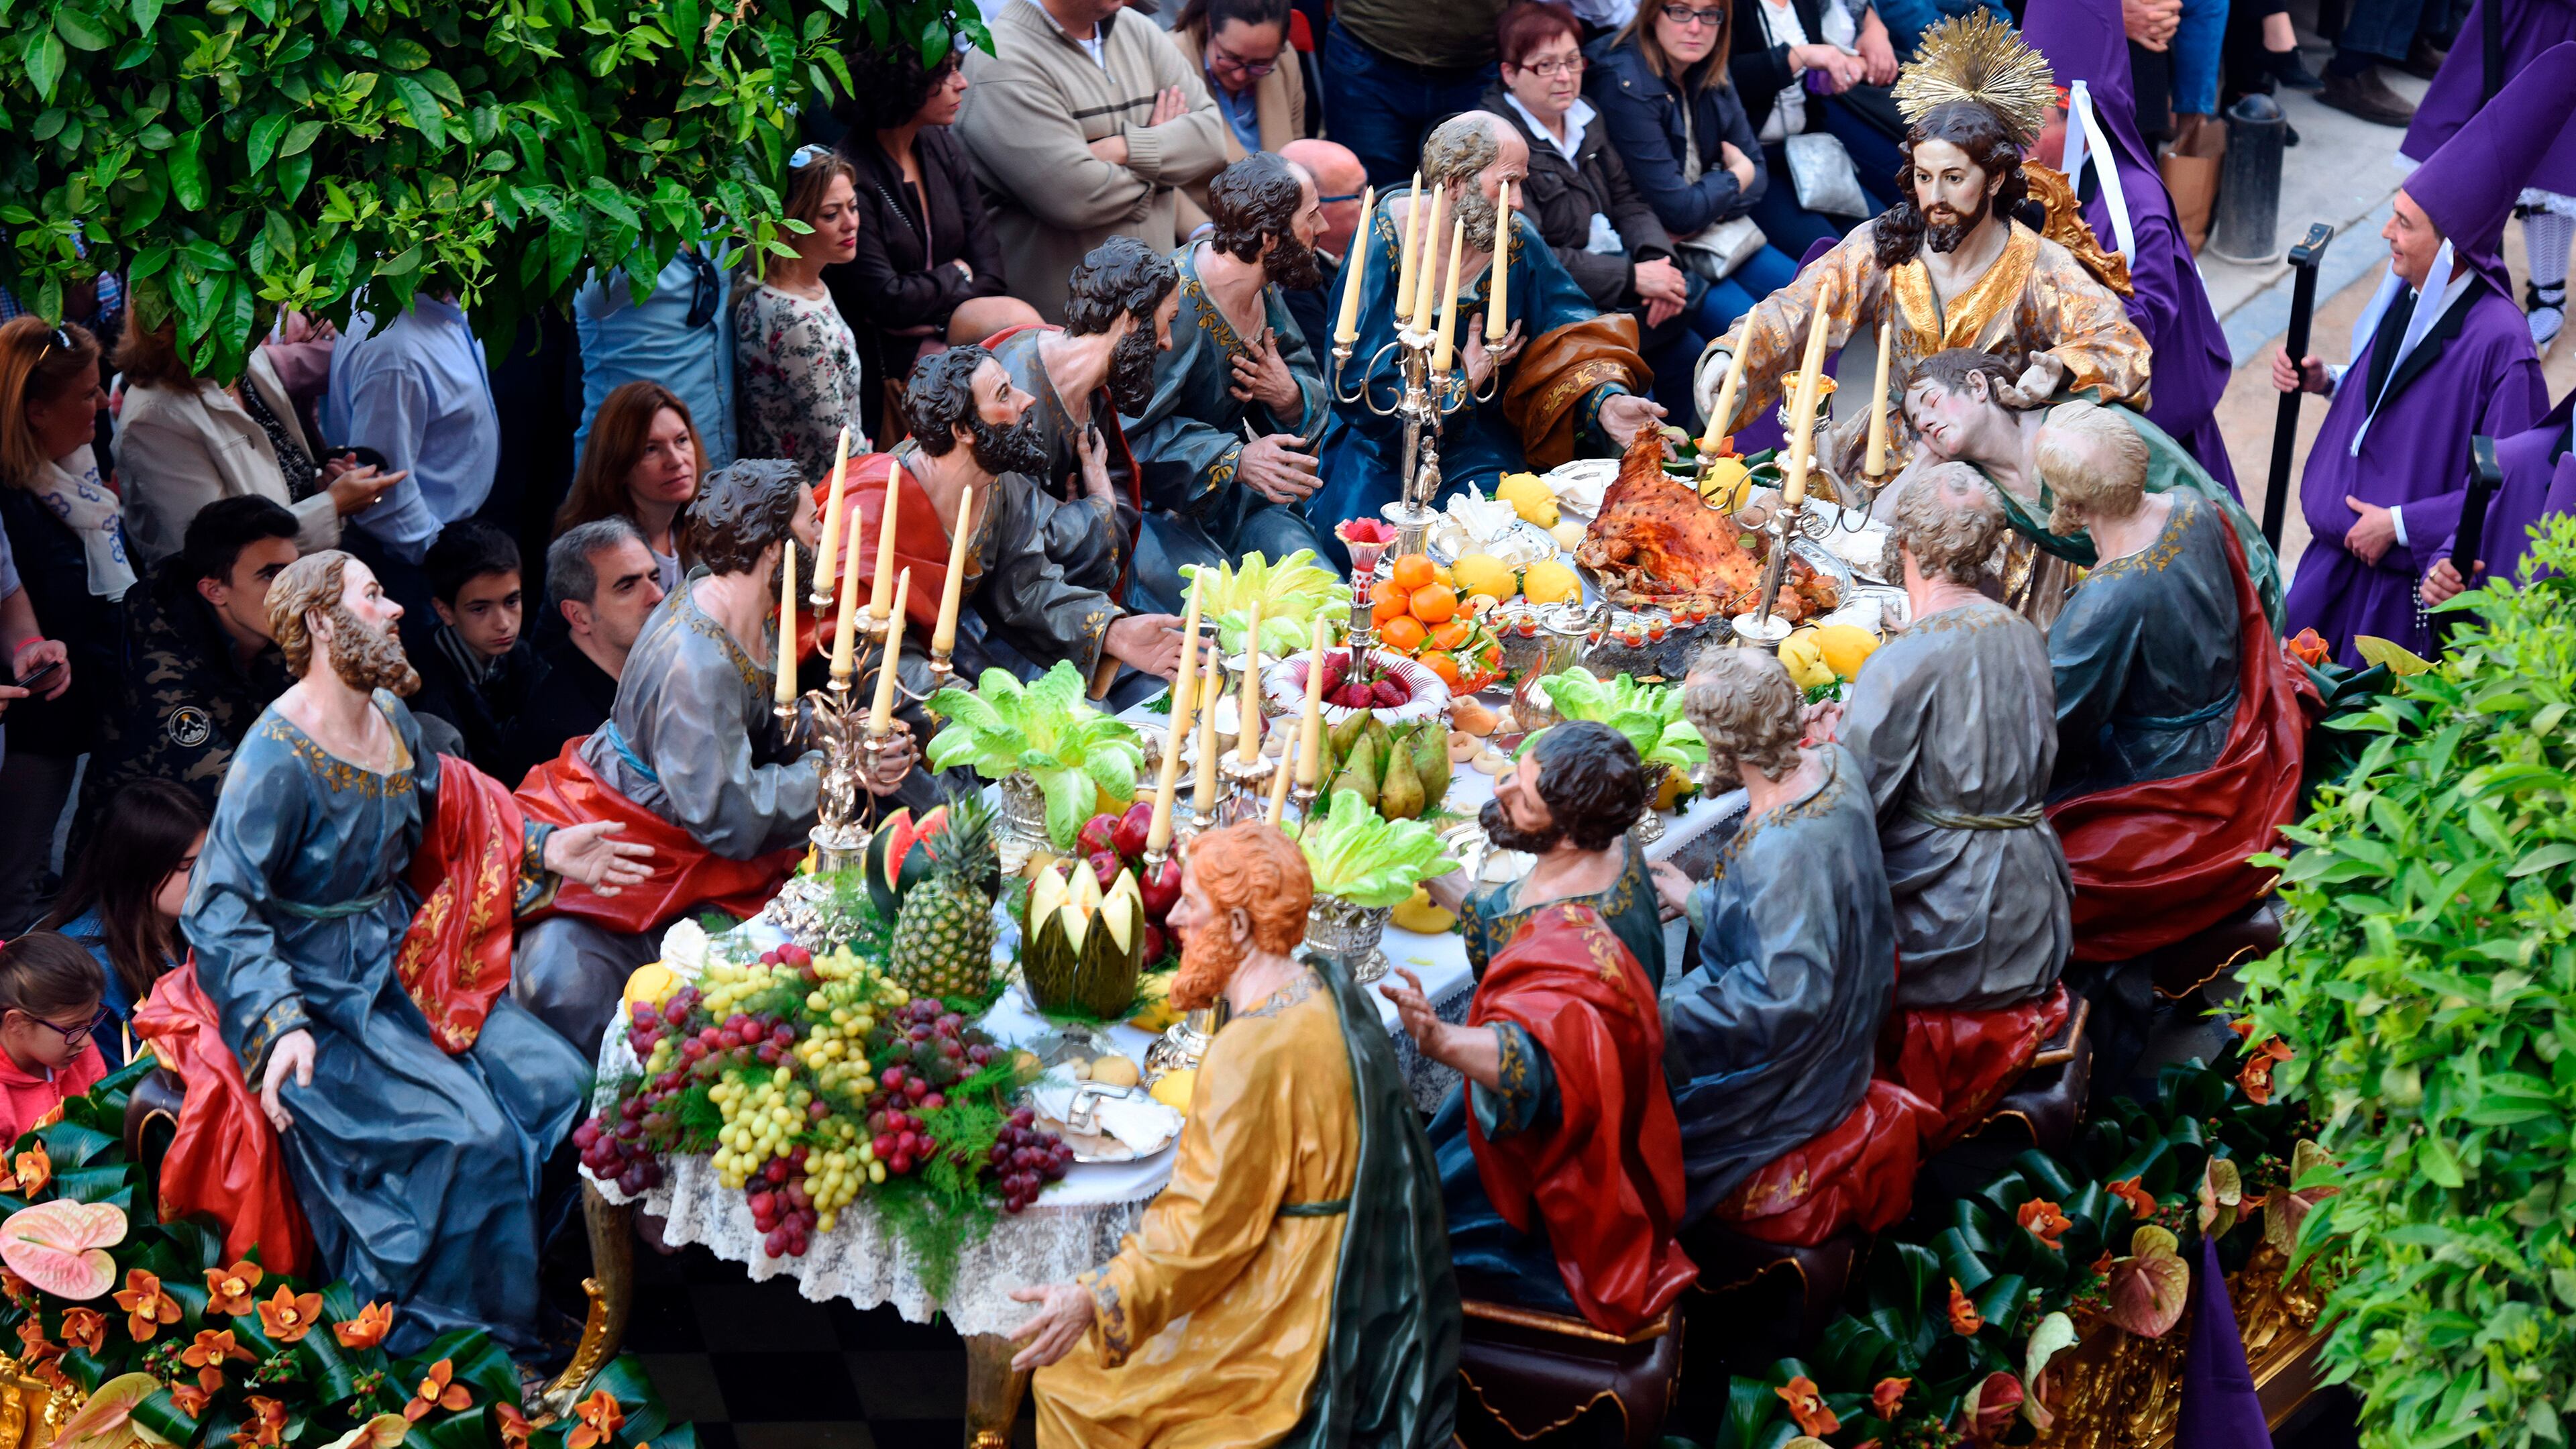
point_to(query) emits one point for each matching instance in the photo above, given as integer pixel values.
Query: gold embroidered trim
(2158, 556)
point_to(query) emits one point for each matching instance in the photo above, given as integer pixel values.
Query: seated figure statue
(2181, 737)
(692, 759)
(1769, 1041)
(1560, 1162)
(350, 922)
(1952, 722)
(1292, 1283)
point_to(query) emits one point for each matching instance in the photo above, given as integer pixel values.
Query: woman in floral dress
(796, 361)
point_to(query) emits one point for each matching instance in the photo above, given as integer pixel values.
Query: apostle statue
(2441, 355)
(1952, 723)
(2180, 733)
(2092, 140)
(1960, 404)
(1227, 444)
(2539, 482)
(1768, 1042)
(350, 918)
(692, 759)
(1292, 1283)
(1560, 1160)
(1949, 262)
(1561, 380)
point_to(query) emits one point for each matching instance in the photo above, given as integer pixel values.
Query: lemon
(1528, 497)
(1726, 485)
(1550, 582)
(1173, 1089)
(1844, 647)
(651, 982)
(1482, 573)
(1800, 655)
(1420, 916)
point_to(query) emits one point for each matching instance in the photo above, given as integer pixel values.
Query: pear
(1359, 771)
(1431, 762)
(1400, 797)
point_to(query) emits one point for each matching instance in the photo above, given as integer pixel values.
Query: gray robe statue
(1952, 721)
(1770, 1038)
(2146, 658)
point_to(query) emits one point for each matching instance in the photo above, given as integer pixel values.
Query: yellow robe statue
(1211, 1323)
(2037, 297)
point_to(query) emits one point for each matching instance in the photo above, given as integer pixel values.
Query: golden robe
(2037, 297)
(1210, 1324)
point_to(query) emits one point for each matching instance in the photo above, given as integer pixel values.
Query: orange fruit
(1449, 635)
(1386, 601)
(1403, 633)
(1442, 665)
(1434, 603)
(1413, 572)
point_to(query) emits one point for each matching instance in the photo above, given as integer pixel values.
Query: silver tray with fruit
(1400, 690)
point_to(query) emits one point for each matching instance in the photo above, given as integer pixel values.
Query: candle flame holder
(1247, 789)
(834, 720)
(1424, 397)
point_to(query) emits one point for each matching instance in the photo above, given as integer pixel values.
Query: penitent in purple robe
(2085, 40)
(2531, 27)
(2539, 480)
(2474, 372)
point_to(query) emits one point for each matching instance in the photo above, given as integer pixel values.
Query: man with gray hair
(604, 582)
(1768, 1041)
(1952, 722)
(1563, 379)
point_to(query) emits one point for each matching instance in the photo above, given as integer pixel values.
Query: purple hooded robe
(2531, 27)
(2085, 40)
(2539, 480)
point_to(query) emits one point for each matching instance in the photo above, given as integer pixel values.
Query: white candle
(1802, 415)
(1446, 349)
(845, 636)
(1497, 307)
(1355, 261)
(878, 596)
(1711, 440)
(1310, 747)
(1424, 296)
(943, 637)
(787, 623)
(829, 553)
(1279, 785)
(1158, 835)
(881, 718)
(1248, 728)
(1203, 799)
(1878, 400)
(1411, 257)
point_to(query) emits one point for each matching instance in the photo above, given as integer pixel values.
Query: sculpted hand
(1672, 888)
(1823, 720)
(1276, 469)
(1483, 360)
(1150, 642)
(1413, 1008)
(1063, 1317)
(2443, 581)
(1092, 448)
(2368, 539)
(293, 1055)
(1264, 377)
(587, 853)
(1623, 415)
(894, 762)
(2039, 381)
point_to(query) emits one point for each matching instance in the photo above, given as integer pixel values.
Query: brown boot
(2423, 59)
(2368, 97)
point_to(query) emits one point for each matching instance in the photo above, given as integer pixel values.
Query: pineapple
(943, 933)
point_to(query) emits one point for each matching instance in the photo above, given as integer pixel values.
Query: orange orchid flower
(601, 1417)
(2133, 1191)
(514, 1426)
(85, 1328)
(290, 1315)
(1806, 1406)
(2256, 1078)
(20, 1291)
(31, 1332)
(1886, 1395)
(267, 1423)
(146, 1306)
(438, 1390)
(1964, 1318)
(2309, 647)
(213, 1346)
(228, 1290)
(35, 1168)
(2042, 1220)
(190, 1399)
(367, 1329)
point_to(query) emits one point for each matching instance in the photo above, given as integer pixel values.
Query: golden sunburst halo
(1979, 59)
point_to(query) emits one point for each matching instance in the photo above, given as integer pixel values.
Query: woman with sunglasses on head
(123, 900)
(796, 362)
(928, 270)
(67, 541)
(1241, 48)
(642, 463)
(50, 1012)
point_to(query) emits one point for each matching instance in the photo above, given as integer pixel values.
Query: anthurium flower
(228, 1290)
(2042, 1220)
(1964, 1318)
(2222, 1191)
(438, 1390)
(1990, 1406)
(2147, 1290)
(601, 1418)
(59, 1247)
(1806, 1406)
(267, 1423)
(108, 1417)
(84, 1328)
(2285, 1210)
(2132, 1190)
(367, 1329)
(1886, 1395)
(2054, 1335)
(384, 1431)
(2256, 1076)
(146, 1306)
(290, 1315)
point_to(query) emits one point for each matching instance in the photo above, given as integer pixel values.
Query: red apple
(1133, 827)
(1100, 832)
(1154, 943)
(1160, 889)
(1106, 864)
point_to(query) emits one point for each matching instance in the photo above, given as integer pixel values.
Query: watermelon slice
(892, 866)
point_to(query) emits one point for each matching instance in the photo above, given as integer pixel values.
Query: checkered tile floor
(759, 1367)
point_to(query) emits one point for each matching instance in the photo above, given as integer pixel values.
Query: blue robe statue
(2145, 659)
(417, 1169)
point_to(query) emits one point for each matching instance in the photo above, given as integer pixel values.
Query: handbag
(1821, 171)
(1715, 250)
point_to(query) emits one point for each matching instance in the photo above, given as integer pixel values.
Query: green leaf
(419, 107)
(2434, 1159)
(187, 174)
(402, 53)
(81, 30)
(299, 138)
(265, 133)
(2555, 853)
(145, 12)
(43, 58)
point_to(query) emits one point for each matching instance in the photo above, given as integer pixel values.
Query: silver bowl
(1349, 934)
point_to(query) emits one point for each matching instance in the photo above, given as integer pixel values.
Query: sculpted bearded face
(329, 608)
(1245, 889)
(1954, 193)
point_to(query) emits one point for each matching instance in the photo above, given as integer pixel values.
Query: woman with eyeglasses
(50, 1012)
(796, 362)
(123, 900)
(67, 541)
(928, 271)
(643, 463)
(1241, 47)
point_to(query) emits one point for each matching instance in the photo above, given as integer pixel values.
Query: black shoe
(2368, 97)
(2423, 59)
(2290, 69)
(2289, 135)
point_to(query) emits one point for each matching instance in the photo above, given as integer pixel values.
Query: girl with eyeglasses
(123, 900)
(50, 1013)
(796, 362)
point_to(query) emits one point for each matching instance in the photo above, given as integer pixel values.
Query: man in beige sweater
(1083, 125)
